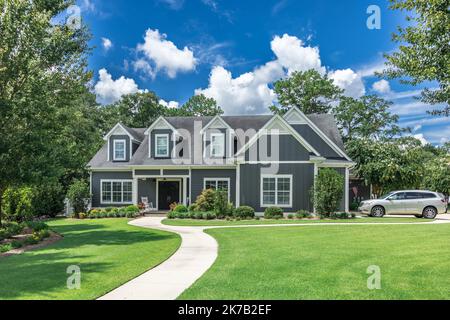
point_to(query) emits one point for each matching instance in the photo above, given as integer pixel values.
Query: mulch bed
(54, 237)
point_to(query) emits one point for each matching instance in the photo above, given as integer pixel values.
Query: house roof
(325, 122)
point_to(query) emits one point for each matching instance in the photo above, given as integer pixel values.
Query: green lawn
(192, 222)
(109, 252)
(328, 263)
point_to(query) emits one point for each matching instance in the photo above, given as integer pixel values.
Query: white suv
(421, 203)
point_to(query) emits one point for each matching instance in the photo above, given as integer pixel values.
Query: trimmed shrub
(244, 212)
(221, 202)
(132, 208)
(18, 204)
(302, 214)
(209, 216)
(172, 215)
(36, 226)
(82, 216)
(290, 216)
(77, 194)
(181, 208)
(205, 201)
(192, 208)
(198, 215)
(328, 191)
(273, 213)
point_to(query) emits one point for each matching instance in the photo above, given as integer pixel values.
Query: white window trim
(111, 182)
(222, 136)
(228, 180)
(165, 135)
(276, 176)
(124, 149)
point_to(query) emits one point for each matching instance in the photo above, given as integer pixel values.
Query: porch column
(185, 195)
(135, 191)
(347, 185)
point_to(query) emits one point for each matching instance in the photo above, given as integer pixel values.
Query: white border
(165, 135)
(124, 150)
(276, 176)
(111, 181)
(106, 137)
(219, 179)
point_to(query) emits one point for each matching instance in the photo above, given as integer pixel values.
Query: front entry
(168, 193)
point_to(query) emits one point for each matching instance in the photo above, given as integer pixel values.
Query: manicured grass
(203, 223)
(109, 252)
(328, 262)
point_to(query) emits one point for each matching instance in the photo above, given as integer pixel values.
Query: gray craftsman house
(261, 160)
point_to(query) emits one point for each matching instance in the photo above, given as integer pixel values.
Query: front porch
(160, 191)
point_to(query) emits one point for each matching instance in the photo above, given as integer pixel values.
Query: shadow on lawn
(43, 272)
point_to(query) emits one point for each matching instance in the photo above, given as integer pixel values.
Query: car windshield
(387, 195)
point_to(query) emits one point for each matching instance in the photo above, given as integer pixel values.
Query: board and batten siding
(289, 149)
(316, 141)
(198, 176)
(302, 182)
(98, 176)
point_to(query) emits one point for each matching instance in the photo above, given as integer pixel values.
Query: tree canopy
(308, 90)
(424, 49)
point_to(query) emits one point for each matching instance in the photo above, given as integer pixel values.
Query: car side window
(398, 196)
(427, 195)
(413, 195)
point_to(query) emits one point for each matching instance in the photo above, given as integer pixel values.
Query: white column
(135, 191)
(347, 184)
(185, 195)
(316, 173)
(238, 185)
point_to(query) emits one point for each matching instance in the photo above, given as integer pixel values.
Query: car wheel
(419, 216)
(377, 212)
(429, 213)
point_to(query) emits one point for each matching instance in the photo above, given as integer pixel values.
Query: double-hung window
(217, 145)
(276, 190)
(161, 145)
(222, 184)
(116, 191)
(119, 150)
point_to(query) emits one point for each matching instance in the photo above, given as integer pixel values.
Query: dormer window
(217, 145)
(161, 145)
(119, 150)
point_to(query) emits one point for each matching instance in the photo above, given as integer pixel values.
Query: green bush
(18, 204)
(5, 248)
(209, 216)
(36, 226)
(48, 199)
(192, 208)
(303, 214)
(131, 214)
(77, 194)
(32, 240)
(244, 212)
(273, 213)
(221, 202)
(181, 208)
(198, 215)
(328, 191)
(172, 215)
(133, 209)
(354, 206)
(290, 216)
(205, 201)
(82, 215)
(16, 244)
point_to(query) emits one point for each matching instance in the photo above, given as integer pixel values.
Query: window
(161, 145)
(217, 145)
(427, 195)
(398, 196)
(276, 191)
(119, 150)
(218, 184)
(116, 191)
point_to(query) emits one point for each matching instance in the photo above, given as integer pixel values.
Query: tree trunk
(1, 199)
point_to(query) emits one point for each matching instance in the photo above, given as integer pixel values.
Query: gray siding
(289, 149)
(302, 183)
(147, 172)
(175, 172)
(97, 176)
(316, 141)
(199, 174)
(127, 147)
(147, 188)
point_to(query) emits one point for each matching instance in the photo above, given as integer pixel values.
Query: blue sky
(234, 50)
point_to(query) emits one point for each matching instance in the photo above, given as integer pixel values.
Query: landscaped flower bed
(17, 235)
(123, 212)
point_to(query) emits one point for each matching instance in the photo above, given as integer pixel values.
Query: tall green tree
(42, 73)
(366, 117)
(199, 105)
(424, 51)
(309, 91)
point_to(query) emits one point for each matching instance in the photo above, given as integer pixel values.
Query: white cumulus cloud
(421, 138)
(349, 81)
(109, 90)
(382, 86)
(294, 56)
(163, 55)
(170, 104)
(106, 43)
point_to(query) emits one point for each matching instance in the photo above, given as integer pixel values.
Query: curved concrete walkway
(197, 253)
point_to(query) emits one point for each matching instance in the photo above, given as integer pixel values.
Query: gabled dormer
(162, 137)
(218, 139)
(122, 142)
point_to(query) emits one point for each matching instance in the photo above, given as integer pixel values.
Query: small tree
(77, 194)
(221, 202)
(205, 201)
(328, 191)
